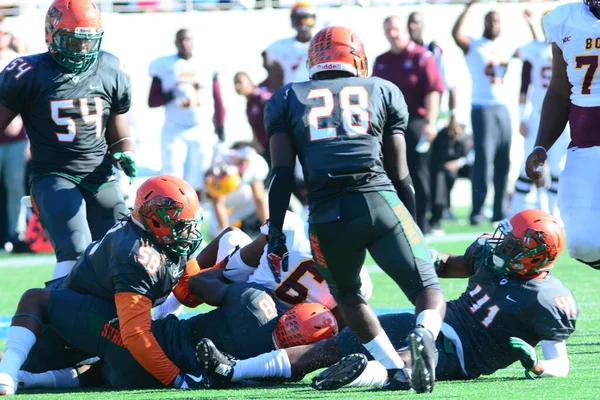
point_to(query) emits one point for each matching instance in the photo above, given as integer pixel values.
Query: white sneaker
(8, 386)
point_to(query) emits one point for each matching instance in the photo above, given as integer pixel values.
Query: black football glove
(127, 164)
(277, 252)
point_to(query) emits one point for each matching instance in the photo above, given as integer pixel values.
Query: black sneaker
(217, 365)
(424, 356)
(398, 379)
(341, 373)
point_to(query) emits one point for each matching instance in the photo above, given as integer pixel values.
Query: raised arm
(460, 38)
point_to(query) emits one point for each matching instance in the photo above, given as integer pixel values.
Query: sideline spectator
(257, 98)
(13, 145)
(487, 60)
(414, 70)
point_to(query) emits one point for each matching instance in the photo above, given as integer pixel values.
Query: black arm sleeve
(406, 193)
(280, 191)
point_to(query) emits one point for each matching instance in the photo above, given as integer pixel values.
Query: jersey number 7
(354, 104)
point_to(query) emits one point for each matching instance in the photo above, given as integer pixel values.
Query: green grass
(584, 349)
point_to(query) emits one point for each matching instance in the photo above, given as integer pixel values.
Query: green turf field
(584, 347)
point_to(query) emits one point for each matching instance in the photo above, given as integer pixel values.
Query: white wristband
(539, 147)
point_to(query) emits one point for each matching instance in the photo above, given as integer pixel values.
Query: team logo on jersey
(566, 39)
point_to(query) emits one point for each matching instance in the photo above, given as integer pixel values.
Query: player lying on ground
(135, 266)
(242, 325)
(512, 302)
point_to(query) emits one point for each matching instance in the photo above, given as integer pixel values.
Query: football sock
(273, 364)
(430, 320)
(62, 268)
(19, 342)
(543, 201)
(62, 378)
(522, 188)
(383, 351)
(374, 374)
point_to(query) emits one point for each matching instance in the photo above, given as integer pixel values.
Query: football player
(512, 302)
(285, 59)
(190, 92)
(536, 74)
(242, 325)
(235, 184)
(135, 266)
(347, 131)
(573, 96)
(301, 282)
(73, 100)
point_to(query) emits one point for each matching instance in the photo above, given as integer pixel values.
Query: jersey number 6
(291, 290)
(354, 104)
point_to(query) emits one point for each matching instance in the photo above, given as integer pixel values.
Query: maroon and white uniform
(575, 30)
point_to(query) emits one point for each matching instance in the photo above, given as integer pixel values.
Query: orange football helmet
(74, 33)
(168, 207)
(337, 49)
(222, 179)
(304, 323)
(525, 244)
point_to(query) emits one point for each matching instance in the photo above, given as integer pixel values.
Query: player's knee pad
(230, 241)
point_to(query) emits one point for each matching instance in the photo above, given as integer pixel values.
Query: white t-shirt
(192, 82)
(575, 30)
(539, 55)
(302, 281)
(487, 61)
(292, 56)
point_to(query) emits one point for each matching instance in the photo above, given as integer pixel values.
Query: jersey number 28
(353, 101)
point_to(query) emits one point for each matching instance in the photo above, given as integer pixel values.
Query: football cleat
(398, 379)
(341, 373)
(218, 365)
(8, 385)
(424, 358)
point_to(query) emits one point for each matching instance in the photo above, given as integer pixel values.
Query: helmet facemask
(507, 254)
(181, 236)
(76, 51)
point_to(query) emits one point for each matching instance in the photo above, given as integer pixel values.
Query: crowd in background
(231, 178)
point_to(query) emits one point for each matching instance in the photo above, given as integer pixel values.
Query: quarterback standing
(574, 96)
(73, 100)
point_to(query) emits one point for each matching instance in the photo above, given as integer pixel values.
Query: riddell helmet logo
(328, 66)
